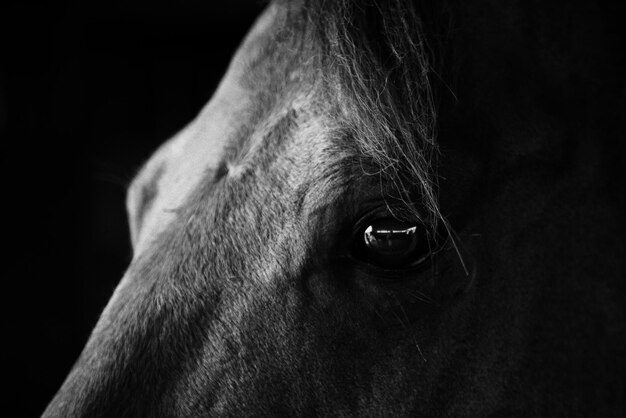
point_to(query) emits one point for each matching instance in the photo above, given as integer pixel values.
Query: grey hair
(378, 54)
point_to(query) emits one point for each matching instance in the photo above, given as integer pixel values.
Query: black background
(87, 91)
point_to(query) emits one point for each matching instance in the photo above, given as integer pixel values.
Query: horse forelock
(377, 66)
(368, 66)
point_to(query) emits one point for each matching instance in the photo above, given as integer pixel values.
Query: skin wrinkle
(244, 297)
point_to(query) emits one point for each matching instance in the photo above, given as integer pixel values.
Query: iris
(391, 243)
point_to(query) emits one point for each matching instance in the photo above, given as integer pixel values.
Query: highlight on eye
(392, 244)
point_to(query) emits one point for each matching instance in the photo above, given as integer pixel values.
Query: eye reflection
(393, 244)
(389, 239)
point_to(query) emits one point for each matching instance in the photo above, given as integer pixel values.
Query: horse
(387, 208)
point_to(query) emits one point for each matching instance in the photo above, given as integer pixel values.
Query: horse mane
(376, 58)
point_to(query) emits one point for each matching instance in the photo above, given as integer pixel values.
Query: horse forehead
(230, 134)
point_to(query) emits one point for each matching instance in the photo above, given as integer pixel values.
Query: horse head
(384, 210)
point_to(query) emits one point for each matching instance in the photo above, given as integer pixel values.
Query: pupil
(390, 238)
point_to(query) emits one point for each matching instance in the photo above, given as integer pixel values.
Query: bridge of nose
(179, 165)
(175, 170)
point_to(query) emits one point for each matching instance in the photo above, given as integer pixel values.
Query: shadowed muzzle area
(249, 293)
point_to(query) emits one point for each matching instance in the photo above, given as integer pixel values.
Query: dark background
(87, 91)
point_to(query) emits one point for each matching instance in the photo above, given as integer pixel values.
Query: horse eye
(390, 243)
